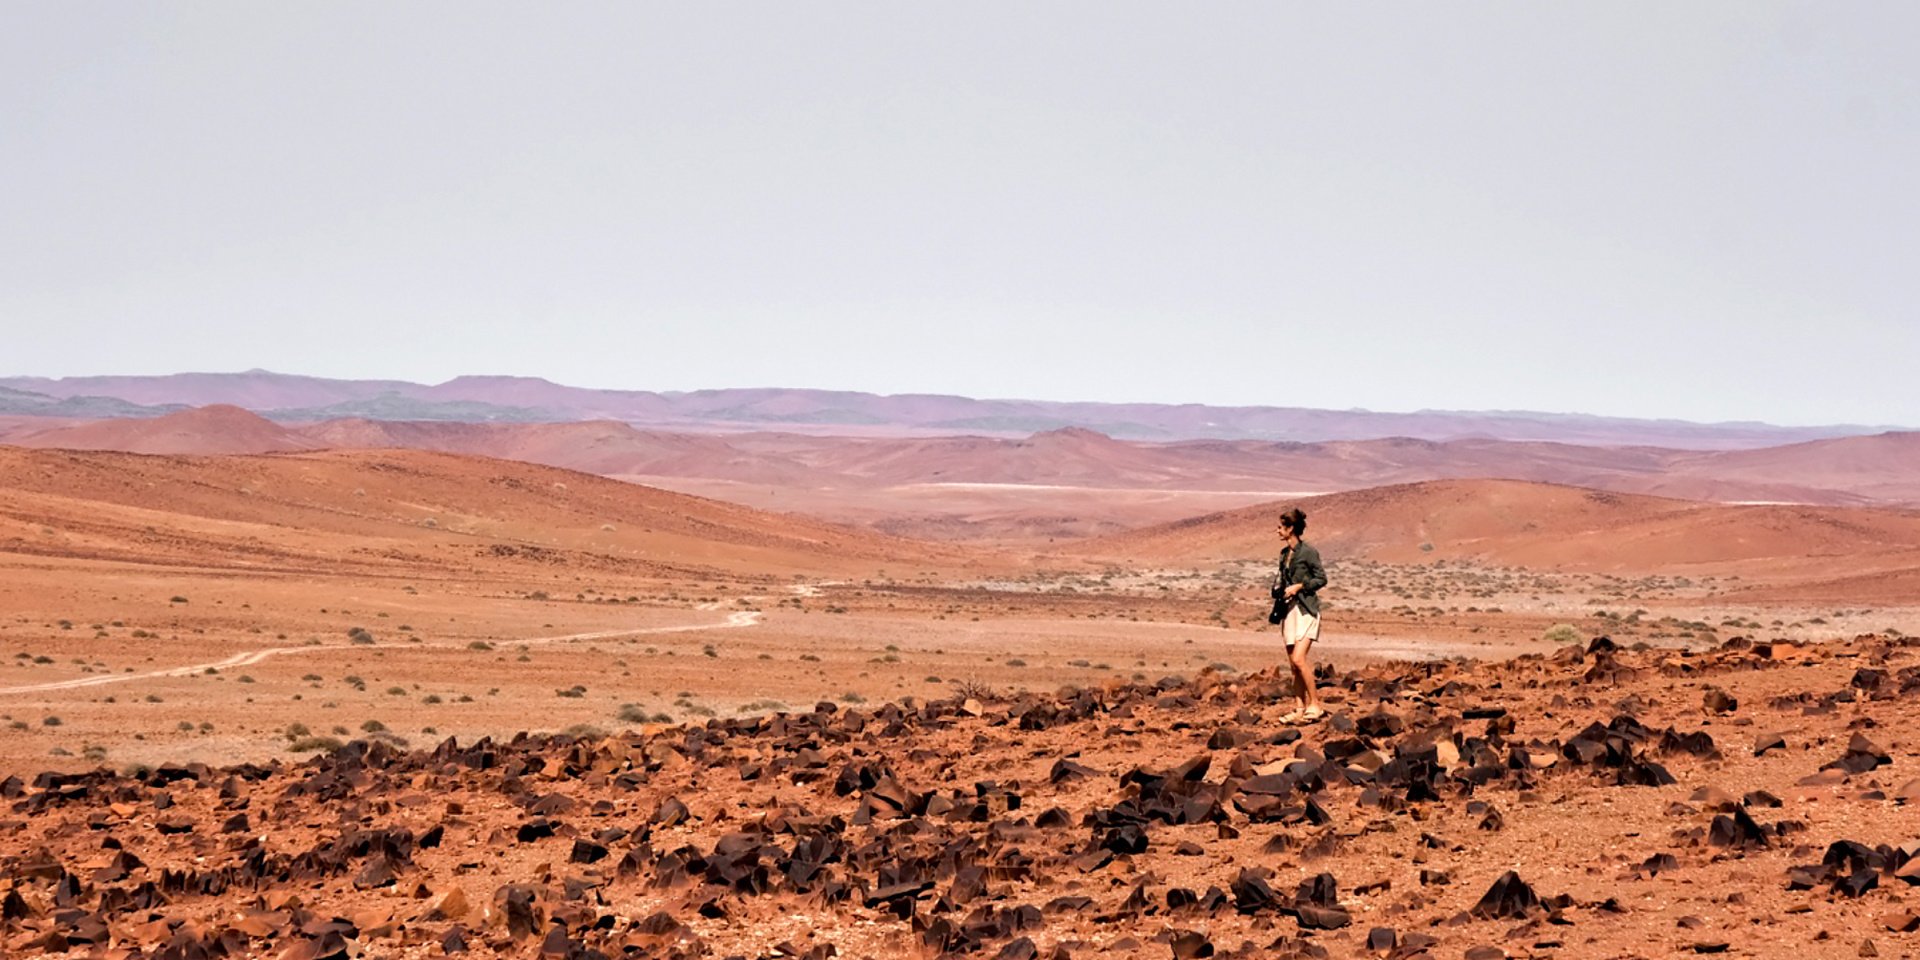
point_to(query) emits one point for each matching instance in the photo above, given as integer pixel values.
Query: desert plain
(315, 701)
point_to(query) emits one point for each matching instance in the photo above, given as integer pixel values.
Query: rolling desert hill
(14, 428)
(1056, 485)
(1851, 470)
(401, 509)
(203, 431)
(1883, 467)
(1537, 525)
(604, 447)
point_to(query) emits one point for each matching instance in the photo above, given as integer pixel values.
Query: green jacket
(1301, 566)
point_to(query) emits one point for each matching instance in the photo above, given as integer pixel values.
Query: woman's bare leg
(1303, 673)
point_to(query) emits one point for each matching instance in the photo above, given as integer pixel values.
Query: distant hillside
(28, 403)
(393, 406)
(283, 396)
(407, 509)
(1536, 525)
(216, 429)
(204, 431)
(1842, 471)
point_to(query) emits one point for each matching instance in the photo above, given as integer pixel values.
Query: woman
(1297, 580)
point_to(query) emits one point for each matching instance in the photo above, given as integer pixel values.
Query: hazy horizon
(1702, 212)
(1517, 411)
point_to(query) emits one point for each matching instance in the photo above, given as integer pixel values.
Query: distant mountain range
(478, 399)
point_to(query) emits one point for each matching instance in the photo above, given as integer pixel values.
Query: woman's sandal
(1312, 714)
(1291, 716)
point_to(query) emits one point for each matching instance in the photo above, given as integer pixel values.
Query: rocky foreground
(1753, 800)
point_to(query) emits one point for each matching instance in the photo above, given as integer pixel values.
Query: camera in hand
(1280, 603)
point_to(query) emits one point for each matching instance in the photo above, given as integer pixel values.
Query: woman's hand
(1292, 589)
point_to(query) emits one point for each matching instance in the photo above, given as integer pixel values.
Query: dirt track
(250, 657)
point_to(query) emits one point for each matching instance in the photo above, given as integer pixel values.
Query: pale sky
(1696, 210)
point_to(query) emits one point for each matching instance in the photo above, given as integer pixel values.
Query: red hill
(216, 429)
(1539, 525)
(405, 507)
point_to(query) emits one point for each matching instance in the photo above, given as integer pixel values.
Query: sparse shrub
(1561, 633)
(575, 692)
(314, 745)
(479, 645)
(49, 721)
(396, 691)
(360, 635)
(295, 731)
(373, 726)
(972, 689)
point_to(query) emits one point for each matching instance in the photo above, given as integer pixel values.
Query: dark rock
(1313, 917)
(1659, 863)
(1510, 898)
(1189, 945)
(1736, 830)
(1382, 940)
(1252, 894)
